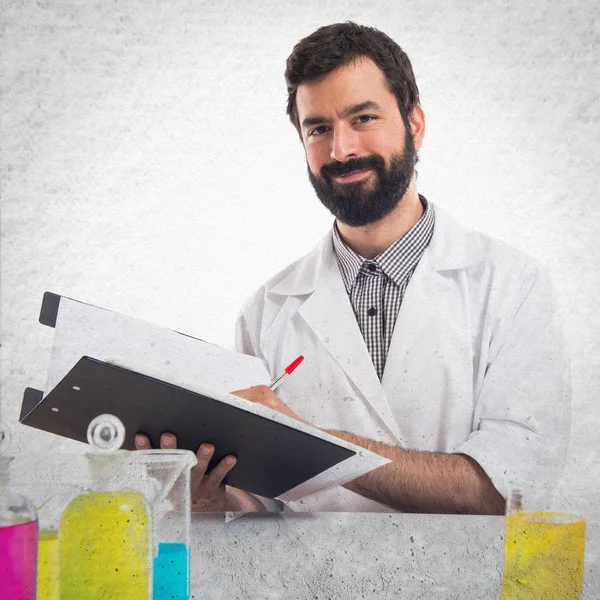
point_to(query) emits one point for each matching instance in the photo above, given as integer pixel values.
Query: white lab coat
(475, 365)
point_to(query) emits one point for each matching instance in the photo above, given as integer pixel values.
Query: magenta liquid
(18, 558)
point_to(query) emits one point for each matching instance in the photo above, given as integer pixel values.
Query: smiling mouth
(354, 176)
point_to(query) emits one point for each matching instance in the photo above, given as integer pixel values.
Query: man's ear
(416, 120)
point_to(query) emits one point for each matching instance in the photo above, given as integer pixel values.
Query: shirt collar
(397, 261)
(349, 261)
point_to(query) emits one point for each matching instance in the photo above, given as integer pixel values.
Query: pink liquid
(18, 557)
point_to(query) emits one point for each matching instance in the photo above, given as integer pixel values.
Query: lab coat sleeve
(244, 341)
(248, 325)
(522, 409)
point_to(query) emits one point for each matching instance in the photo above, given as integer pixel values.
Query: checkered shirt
(377, 286)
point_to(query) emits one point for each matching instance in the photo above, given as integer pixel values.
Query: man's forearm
(428, 482)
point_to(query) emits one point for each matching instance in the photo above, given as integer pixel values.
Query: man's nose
(345, 144)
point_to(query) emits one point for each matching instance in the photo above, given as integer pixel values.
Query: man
(427, 343)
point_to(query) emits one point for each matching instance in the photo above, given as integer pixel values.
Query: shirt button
(372, 311)
(372, 267)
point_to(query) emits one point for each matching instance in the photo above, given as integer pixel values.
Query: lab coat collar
(450, 248)
(329, 314)
(328, 311)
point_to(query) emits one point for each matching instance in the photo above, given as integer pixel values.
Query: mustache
(337, 169)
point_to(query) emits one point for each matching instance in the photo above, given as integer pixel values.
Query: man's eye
(365, 119)
(321, 129)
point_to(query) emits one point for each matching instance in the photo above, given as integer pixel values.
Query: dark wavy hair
(333, 46)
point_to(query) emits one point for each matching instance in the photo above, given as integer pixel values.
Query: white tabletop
(343, 556)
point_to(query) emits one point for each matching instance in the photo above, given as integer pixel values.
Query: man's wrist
(237, 500)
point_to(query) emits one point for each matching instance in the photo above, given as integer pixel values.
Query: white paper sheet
(86, 330)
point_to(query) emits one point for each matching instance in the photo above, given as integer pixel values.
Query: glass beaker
(543, 546)
(169, 472)
(18, 534)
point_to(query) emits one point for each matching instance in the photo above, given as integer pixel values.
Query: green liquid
(104, 547)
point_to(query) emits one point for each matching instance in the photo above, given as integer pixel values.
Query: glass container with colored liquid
(105, 539)
(50, 483)
(544, 547)
(18, 535)
(49, 508)
(128, 536)
(169, 474)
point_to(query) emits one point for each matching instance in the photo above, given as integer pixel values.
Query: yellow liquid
(104, 547)
(543, 557)
(47, 572)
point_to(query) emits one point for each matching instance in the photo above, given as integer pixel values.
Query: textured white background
(149, 166)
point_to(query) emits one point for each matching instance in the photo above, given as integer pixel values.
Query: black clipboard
(272, 457)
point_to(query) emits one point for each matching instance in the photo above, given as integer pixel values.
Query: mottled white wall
(149, 166)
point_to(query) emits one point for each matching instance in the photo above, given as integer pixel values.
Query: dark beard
(361, 202)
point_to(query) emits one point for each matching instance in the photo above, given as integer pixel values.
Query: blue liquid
(171, 581)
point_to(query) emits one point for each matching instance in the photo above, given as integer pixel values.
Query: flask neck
(15, 509)
(5, 465)
(109, 472)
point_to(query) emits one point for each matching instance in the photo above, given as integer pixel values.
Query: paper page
(85, 330)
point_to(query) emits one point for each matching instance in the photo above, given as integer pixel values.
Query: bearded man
(430, 344)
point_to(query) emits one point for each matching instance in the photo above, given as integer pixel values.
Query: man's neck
(371, 240)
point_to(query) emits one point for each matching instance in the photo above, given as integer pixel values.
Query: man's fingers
(255, 393)
(204, 454)
(200, 479)
(217, 474)
(211, 481)
(263, 394)
(168, 441)
(142, 442)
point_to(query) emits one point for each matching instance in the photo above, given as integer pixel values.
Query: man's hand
(207, 490)
(262, 394)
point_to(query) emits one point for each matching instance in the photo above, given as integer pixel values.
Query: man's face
(359, 153)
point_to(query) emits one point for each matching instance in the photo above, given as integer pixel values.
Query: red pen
(288, 370)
